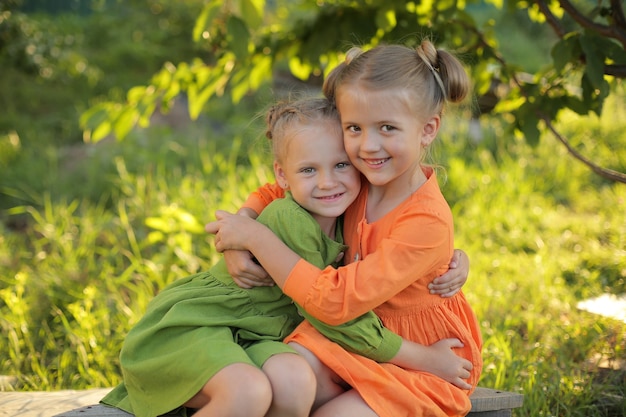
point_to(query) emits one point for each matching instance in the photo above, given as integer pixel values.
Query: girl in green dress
(205, 343)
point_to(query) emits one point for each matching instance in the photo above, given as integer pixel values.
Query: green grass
(88, 250)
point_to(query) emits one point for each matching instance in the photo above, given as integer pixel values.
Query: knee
(293, 383)
(250, 388)
(237, 390)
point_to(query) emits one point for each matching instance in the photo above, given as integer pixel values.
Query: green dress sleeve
(365, 335)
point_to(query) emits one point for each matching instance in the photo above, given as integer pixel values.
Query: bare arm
(438, 359)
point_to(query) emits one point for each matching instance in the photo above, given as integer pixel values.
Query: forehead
(324, 133)
(356, 100)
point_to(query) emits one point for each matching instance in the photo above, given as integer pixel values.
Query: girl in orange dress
(400, 236)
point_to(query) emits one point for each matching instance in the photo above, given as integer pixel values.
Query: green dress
(199, 324)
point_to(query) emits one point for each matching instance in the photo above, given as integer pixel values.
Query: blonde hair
(432, 76)
(285, 118)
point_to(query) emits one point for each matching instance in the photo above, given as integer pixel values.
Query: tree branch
(614, 32)
(617, 12)
(552, 20)
(618, 71)
(603, 172)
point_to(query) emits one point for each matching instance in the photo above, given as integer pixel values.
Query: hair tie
(423, 57)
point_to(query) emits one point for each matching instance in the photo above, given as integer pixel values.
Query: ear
(281, 179)
(430, 129)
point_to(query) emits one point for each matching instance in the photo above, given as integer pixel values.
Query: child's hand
(241, 265)
(447, 365)
(245, 271)
(438, 359)
(231, 231)
(452, 281)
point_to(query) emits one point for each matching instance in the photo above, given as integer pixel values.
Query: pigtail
(430, 57)
(447, 71)
(455, 76)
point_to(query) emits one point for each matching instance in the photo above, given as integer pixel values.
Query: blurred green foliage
(90, 232)
(57, 66)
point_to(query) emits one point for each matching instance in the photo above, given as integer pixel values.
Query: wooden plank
(486, 402)
(497, 413)
(99, 410)
(487, 399)
(46, 403)
(96, 410)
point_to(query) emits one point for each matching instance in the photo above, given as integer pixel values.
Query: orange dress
(393, 261)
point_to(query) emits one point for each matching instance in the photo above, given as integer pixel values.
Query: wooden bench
(486, 402)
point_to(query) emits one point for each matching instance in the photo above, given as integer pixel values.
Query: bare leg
(329, 385)
(348, 404)
(238, 390)
(293, 385)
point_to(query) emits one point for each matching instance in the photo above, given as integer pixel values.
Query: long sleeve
(399, 255)
(260, 198)
(364, 335)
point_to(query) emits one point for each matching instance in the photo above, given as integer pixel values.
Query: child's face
(317, 170)
(383, 136)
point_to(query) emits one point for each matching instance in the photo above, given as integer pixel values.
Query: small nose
(327, 180)
(369, 141)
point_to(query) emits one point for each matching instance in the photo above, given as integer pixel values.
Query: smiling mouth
(376, 162)
(330, 197)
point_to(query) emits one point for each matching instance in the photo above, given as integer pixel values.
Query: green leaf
(575, 104)
(136, 94)
(252, 12)
(101, 131)
(145, 109)
(202, 75)
(95, 122)
(565, 51)
(594, 58)
(162, 79)
(198, 94)
(615, 52)
(94, 116)
(526, 122)
(172, 91)
(507, 106)
(238, 36)
(531, 132)
(205, 19)
(125, 122)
